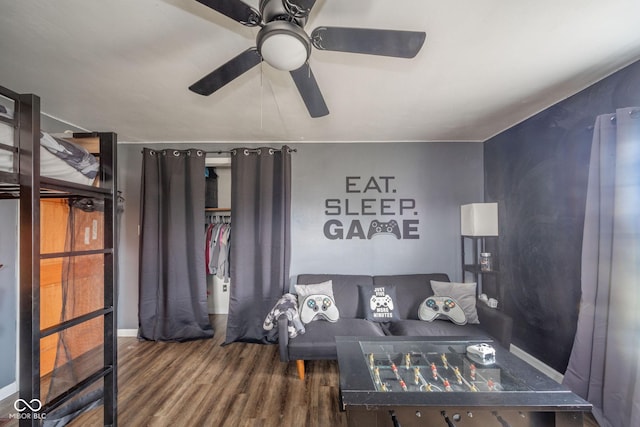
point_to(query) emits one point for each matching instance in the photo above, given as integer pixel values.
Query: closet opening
(218, 219)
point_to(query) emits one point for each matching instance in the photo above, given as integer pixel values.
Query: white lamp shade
(479, 219)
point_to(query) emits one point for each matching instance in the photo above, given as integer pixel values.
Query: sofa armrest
(496, 323)
(283, 337)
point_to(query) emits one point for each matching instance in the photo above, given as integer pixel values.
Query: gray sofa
(318, 342)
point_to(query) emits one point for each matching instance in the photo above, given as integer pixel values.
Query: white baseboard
(127, 332)
(539, 365)
(8, 390)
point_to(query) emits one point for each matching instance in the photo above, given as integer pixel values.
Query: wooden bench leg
(300, 365)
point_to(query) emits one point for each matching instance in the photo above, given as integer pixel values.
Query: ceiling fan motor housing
(275, 10)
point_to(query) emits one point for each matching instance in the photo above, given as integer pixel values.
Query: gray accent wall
(8, 291)
(537, 172)
(419, 185)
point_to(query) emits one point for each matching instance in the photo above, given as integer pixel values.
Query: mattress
(59, 159)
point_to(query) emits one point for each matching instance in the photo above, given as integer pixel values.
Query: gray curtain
(604, 367)
(260, 243)
(172, 278)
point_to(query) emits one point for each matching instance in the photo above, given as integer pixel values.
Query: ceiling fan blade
(309, 90)
(227, 72)
(236, 10)
(399, 44)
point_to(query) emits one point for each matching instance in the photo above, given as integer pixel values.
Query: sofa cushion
(411, 290)
(441, 328)
(379, 303)
(463, 293)
(345, 290)
(319, 342)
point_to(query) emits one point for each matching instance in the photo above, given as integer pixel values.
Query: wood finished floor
(200, 383)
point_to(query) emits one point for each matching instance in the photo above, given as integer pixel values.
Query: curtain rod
(633, 113)
(232, 151)
(250, 150)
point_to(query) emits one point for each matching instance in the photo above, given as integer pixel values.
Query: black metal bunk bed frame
(29, 187)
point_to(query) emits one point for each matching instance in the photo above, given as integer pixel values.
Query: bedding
(59, 159)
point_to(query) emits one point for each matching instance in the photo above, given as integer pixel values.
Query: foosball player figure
(407, 360)
(491, 385)
(434, 371)
(445, 363)
(376, 375)
(371, 360)
(402, 384)
(472, 371)
(456, 371)
(416, 375)
(447, 385)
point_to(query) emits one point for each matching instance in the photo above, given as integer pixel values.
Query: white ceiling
(125, 66)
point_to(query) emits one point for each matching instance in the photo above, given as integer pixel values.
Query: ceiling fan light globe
(284, 45)
(284, 52)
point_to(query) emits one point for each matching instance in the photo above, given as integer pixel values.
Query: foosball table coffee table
(440, 381)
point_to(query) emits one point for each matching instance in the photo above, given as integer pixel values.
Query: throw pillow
(379, 303)
(323, 288)
(464, 293)
(436, 307)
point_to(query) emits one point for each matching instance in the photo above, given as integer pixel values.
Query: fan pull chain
(261, 93)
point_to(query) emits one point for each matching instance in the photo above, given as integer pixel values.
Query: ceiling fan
(283, 44)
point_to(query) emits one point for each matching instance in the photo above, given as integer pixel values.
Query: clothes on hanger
(217, 249)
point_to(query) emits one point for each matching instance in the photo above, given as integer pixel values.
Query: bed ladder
(31, 190)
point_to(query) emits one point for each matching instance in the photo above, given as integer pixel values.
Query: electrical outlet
(224, 288)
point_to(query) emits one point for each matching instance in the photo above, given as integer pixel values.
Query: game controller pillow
(318, 306)
(441, 308)
(324, 288)
(379, 303)
(463, 293)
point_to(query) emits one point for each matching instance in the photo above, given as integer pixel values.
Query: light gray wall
(433, 178)
(8, 291)
(418, 185)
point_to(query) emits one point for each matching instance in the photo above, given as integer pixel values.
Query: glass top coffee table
(407, 381)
